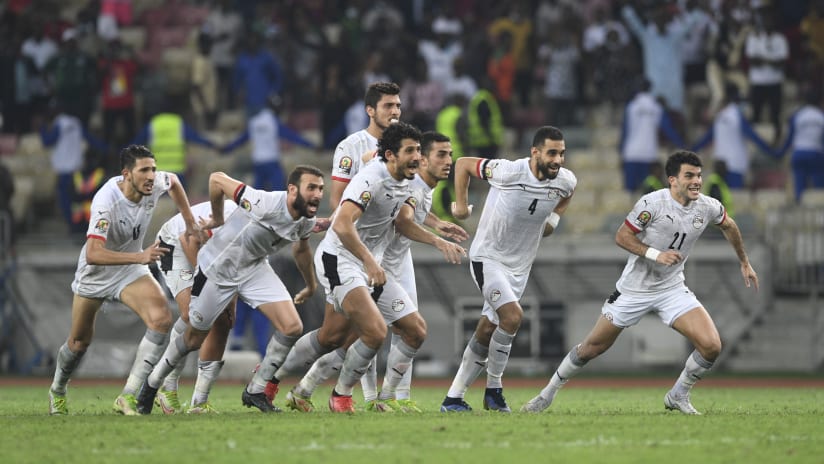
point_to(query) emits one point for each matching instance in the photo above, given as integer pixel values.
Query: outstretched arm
(628, 240)
(552, 221)
(344, 226)
(406, 225)
(178, 195)
(221, 185)
(302, 253)
(733, 235)
(465, 168)
(445, 228)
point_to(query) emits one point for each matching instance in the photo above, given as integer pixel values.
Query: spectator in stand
(644, 117)
(224, 25)
(485, 124)
(501, 71)
(462, 83)
(730, 131)
(767, 51)
(74, 75)
(812, 30)
(661, 40)
(15, 100)
(117, 69)
(806, 136)
(39, 49)
(166, 135)
(519, 26)
(422, 97)
(560, 58)
(654, 180)
(726, 45)
(441, 52)
(203, 92)
(6, 194)
(716, 187)
(66, 134)
(257, 74)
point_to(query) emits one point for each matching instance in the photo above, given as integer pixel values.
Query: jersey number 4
(675, 238)
(533, 206)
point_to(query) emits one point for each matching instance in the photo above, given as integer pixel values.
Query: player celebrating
(525, 201)
(113, 266)
(660, 231)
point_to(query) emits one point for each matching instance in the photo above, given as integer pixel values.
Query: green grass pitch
(585, 425)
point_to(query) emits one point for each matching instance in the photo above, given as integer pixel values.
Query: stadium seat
(812, 198)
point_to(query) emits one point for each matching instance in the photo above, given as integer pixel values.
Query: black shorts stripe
(166, 260)
(376, 293)
(330, 269)
(199, 282)
(478, 270)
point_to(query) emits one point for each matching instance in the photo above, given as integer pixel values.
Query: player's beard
(300, 206)
(139, 189)
(544, 169)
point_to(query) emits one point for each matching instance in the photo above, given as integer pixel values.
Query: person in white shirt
(348, 263)
(806, 135)
(178, 270)
(113, 265)
(767, 51)
(234, 262)
(524, 204)
(436, 163)
(729, 134)
(660, 232)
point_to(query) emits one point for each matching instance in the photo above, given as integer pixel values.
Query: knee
(159, 319)
(414, 336)
(373, 335)
(710, 350)
(509, 319)
(293, 329)
(330, 340)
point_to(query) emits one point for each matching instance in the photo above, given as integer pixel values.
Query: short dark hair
(130, 155)
(300, 170)
(678, 158)
(393, 135)
(546, 132)
(377, 90)
(430, 137)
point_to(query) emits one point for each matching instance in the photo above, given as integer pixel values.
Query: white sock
(355, 364)
(67, 361)
(472, 363)
(173, 354)
(568, 368)
(322, 370)
(397, 363)
(276, 351)
(148, 353)
(171, 381)
(207, 372)
(303, 354)
(403, 392)
(694, 368)
(500, 345)
(369, 381)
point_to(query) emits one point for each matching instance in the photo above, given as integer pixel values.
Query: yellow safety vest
(478, 137)
(726, 196)
(446, 123)
(167, 143)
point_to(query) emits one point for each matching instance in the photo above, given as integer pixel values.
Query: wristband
(652, 254)
(553, 219)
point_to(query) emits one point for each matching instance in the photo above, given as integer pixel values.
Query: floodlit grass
(586, 425)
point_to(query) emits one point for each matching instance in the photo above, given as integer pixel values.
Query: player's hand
(750, 277)
(462, 211)
(669, 257)
(153, 253)
(304, 295)
(451, 251)
(375, 275)
(451, 231)
(321, 225)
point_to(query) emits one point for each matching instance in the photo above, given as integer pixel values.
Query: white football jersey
(516, 209)
(396, 251)
(259, 226)
(349, 153)
(664, 224)
(171, 229)
(119, 222)
(380, 197)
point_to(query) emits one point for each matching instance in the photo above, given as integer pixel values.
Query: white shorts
(393, 301)
(209, 299)
(625, 310)
(405, 276)
(110, 282)
(497, 285)
(178, 280)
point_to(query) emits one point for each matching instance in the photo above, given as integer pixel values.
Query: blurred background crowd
(81, 78)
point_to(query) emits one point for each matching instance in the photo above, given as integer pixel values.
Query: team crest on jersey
(608, 316)
(643, 218)
(196, 316)
(365, 198)
(488, 172)
(495, 295)
(697, 222)
(150, 205)
(102, 226)
(245, 205)
(398, 305)
(345, 164)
